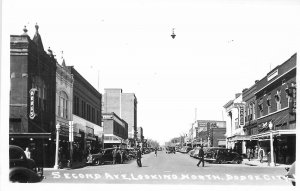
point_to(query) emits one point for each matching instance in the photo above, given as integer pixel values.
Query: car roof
(15, 147)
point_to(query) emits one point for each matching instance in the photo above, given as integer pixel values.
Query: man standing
(138, 157)
(114, 154)
(201, 156)
(155, 151)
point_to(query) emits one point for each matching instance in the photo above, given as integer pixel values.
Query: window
(63, 105)
(83, 110)
(93, 114)
(260, 107)
(253, 109)
(269, 103)
(237, 123)
(278, 100)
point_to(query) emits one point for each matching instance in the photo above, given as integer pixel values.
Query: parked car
(228, 157)
(21, 168)
(185, 149)
(210, 153)
(196, 152)
(290, 175)
(170, 150)
(95, 158)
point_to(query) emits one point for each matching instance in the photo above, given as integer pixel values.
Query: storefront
(284, 145)
(238, 143)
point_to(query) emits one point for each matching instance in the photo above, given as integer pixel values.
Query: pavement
(256, 162)
(75, 165)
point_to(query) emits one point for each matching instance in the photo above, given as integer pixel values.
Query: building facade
(64, 103)
(32, 97)
(86, 114)
(115, 131)
(210, 133)
(276, 113)
(235, 135)
(123, 105)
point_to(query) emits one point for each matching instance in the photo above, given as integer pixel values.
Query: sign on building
(32, 114)
(242, 116)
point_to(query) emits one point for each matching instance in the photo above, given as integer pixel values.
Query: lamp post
(271, 144)
(56, 166)
(71, 139)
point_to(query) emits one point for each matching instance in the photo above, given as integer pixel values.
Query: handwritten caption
(133, 177)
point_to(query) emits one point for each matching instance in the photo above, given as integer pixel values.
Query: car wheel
(97, 162)
(238, 162)
(19, 178)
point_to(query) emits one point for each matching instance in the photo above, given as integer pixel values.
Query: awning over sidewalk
(239, 138)
(276, 133)
(30, 135)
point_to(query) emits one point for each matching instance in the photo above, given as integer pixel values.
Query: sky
(220, 48)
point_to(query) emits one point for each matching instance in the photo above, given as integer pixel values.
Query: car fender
(30, 175)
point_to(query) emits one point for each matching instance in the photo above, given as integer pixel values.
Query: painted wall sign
(32, 114)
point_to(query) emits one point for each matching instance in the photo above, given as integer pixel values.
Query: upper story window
(236, 123)
(260, 107)
(278, 100)
(269, 103)
(63, 105)
(253, 109)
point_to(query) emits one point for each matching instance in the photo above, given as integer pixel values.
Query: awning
(276, 132)
(239, 138)
(30, 135)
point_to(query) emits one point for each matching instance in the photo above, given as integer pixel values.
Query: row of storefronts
(263, 118)
(45, 92)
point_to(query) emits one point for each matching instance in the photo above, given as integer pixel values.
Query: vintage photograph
(149, 93)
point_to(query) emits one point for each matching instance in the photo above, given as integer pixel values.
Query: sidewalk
(75, 165)
(256, 162)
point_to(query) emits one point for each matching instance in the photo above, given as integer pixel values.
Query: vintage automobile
(95, 158)
(210, 153)
(228, 157)
(185, 149)
(170, 150)
(21, 168)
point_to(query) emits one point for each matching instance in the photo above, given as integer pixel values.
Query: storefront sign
(32, 114)
(242, 122)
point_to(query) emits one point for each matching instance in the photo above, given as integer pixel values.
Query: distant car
(21, 168)
(228, 157)
(185, 149)
(291, 174)
(170, 150)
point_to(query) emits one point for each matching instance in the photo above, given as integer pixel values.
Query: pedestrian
(139, 157)
(155, 151)
(114, 155)
(248, 153)
(120, 152)
(201, 156)
(261, 154)
(27, 153)
(269, 157)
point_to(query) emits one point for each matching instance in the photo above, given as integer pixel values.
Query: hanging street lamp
(173, 35)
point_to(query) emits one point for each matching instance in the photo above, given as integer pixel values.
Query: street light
(56, 166)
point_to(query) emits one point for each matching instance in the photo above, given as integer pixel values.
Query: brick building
(115, 130)
(123, 105)
(276, 112)
(32, 97)
(211, 133)
(86, 113)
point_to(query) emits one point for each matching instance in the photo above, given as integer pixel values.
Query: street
(169, 169)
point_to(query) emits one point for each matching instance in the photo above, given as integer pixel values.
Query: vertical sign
(294, 100)
(32, 114)
(242, 115)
